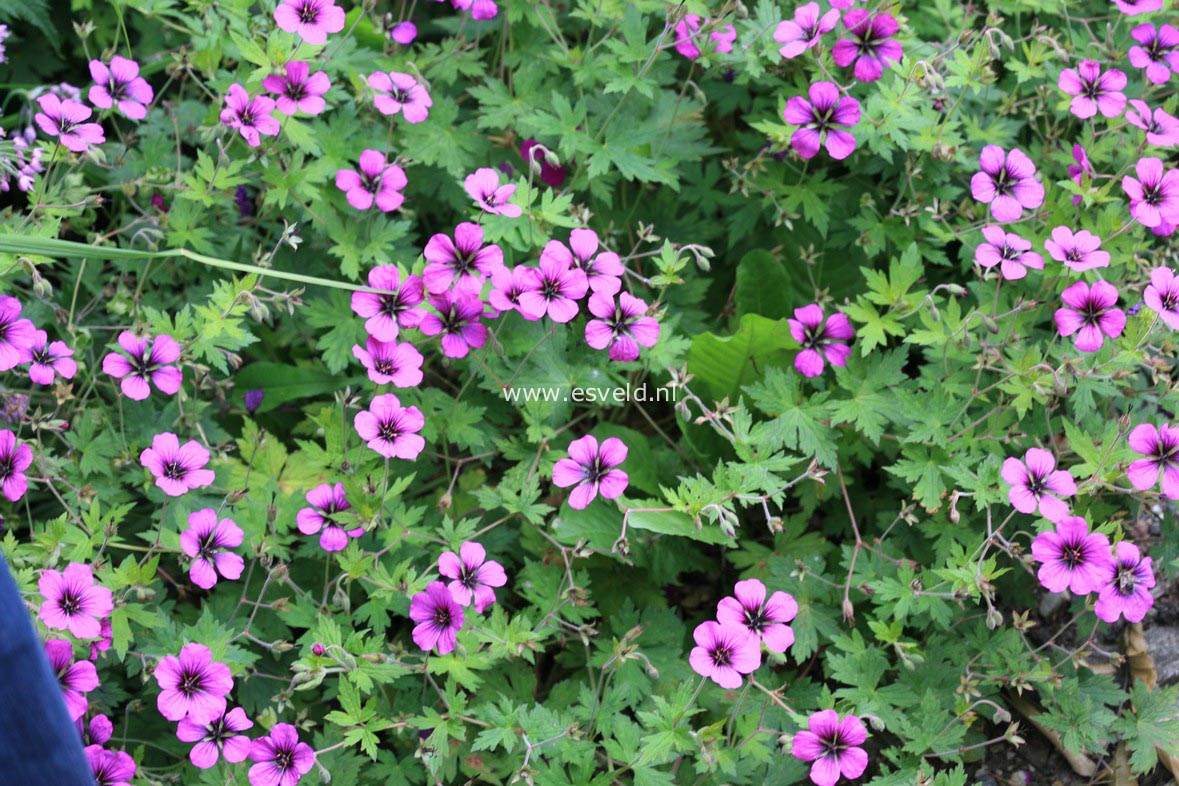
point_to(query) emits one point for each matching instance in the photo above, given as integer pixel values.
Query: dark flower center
(391, 305)
(207, 546)
(174, 470)
(388, 430)
(550, 288)
(756, 619)
(452, 321)
(296, 91)
(1010, 254)
(1035, 484)
(1004, 182)
(308, 14)
(469, 576)
(6, 467)
(70, 604)
(1091, 313)
(834, 745)
(1126, 578)
(722, 656)
(384, 366)
(190, 684)
(442, 617)
(42, 357)
(620, 323)
(1073, 554)
(284, 759)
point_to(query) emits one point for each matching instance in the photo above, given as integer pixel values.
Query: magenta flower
(439, 618)
(404, 33)
(15, 458)
(192, 685)
(820, 340)
(66, 120)
(1036, 484)
(508, 285)
(687, 34)
(804, 32)
(1136, 7)
(298, 90)
(1078, 252)
(833, 744)
(480, 9)
(1011, 252)
(473, 577)
(622, 326)
(1126, 586)
(1162, 295)
(550, 175)
(1155, 51)
(391, 429)
(110, 768)
(557, 286)
(483, 186)
(592, 470)
(392, 308)
(603, 271)
(464, 262)
(76, 679)
(206, 542)
(398, 92)
(220, 737)
(151, 360)
(458, 321)
(724, 652)
(17, 335)
(47, 360)
(1162, 129)
(74, 601)
(1079, 171)
(1094, 90)
(377, 181)
(1160, 446)
(103, 644)
(249, 116)
(1089, 312)
(1073, 557)
(121, 85)
(869, 45)
(1154, 194)
(311, 20)
(327, 502)
(178, 468)
(765, 618)
(99, 730)
(280, 759)
(1007, 183)
(817, 120)
(390, 362)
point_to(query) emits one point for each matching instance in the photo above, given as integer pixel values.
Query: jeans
(39, 745)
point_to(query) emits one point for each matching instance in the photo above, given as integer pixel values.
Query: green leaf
(283, 383)
(725, 365)
(763, 286)
(1152, 724)
(673, 522)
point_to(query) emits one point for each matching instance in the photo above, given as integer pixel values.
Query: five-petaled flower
(833, 744)
(592, 469)
(1071, 557)
(74, 601)
(1154, 194)
(120, 84)
(1162, 295)
(464, 262)
(391, 429)
(327, 502)
(17, 335)
(76, 678)
(15, 458)
(390, 363)
(1094, 90)
(376, 181)
(820, 339)
(439, 618)
(393, 307)
(1089, 312)
(622, 326)
(458, 321)
(398, 92)
(207, 542)
(298, 89)
(1161, 127)
(483, 186)
(178, 469)
(47, 360)
(311, 20)
(869, 46)
(817, 120)
(1155, 51)
(219, 737)
(66, 120)
(1007, 182)
(724, 653)
(473, 577)
(766, 618)
(192, 685)
(1009, 251)
(249, 116)
(1160, 446)
(148, 359)
(804, 30)
(1125, 590)
(688, 36)
(280, 759)
(1078, 251)
(603, 270)
(1036, 484)
(110, 768)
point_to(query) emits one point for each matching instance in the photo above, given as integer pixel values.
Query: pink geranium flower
(1162, 295)
(298, 90)
(508, 285)
(220, 737)
(280, 759)
(1011, 252)
(1160, 446)
(149, 359)
(391, 429)
(394, 307)
(480, 9)
(398, 92)
(473, 577)
(15, 458)
(110, 768)
(120, 85)
(249, 116)
(603, 270)
(404, 33)
(178, 468)
(1007, 183)
(99, 730)
(48, 360)
(439, 618)
(1036, 484)
(66, 120)
(483, 186)
(833, 744)
(765, 618)
(192, 685)
(1154, 194)
(457, 321)
(1079, 251)
(1071, 557)
(327, 503)
(1079, 171)
(804, 31)
(75, 678)
(724, 653)
(1136, 7)
(1094, 90)
(557, 286)
(311, 20)
(17, 335)
(1126, 586)
(687, 35)
(74, 601)
(622, 326)
(592, 470)
(818, 119)
(1089, 313)
(377, 181)
(1162, 129)
(463, 262)
(207, 542)
(1155, 51)
(390, 362)
(820, 340)
(869, 46)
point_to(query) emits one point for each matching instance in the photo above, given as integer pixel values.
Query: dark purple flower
(254, 399)
(550, 175)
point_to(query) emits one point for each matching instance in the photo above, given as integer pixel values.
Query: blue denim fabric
(39, 745)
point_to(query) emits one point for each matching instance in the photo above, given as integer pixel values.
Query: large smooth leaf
(763, 286)
(283, 384)
(725, 365)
